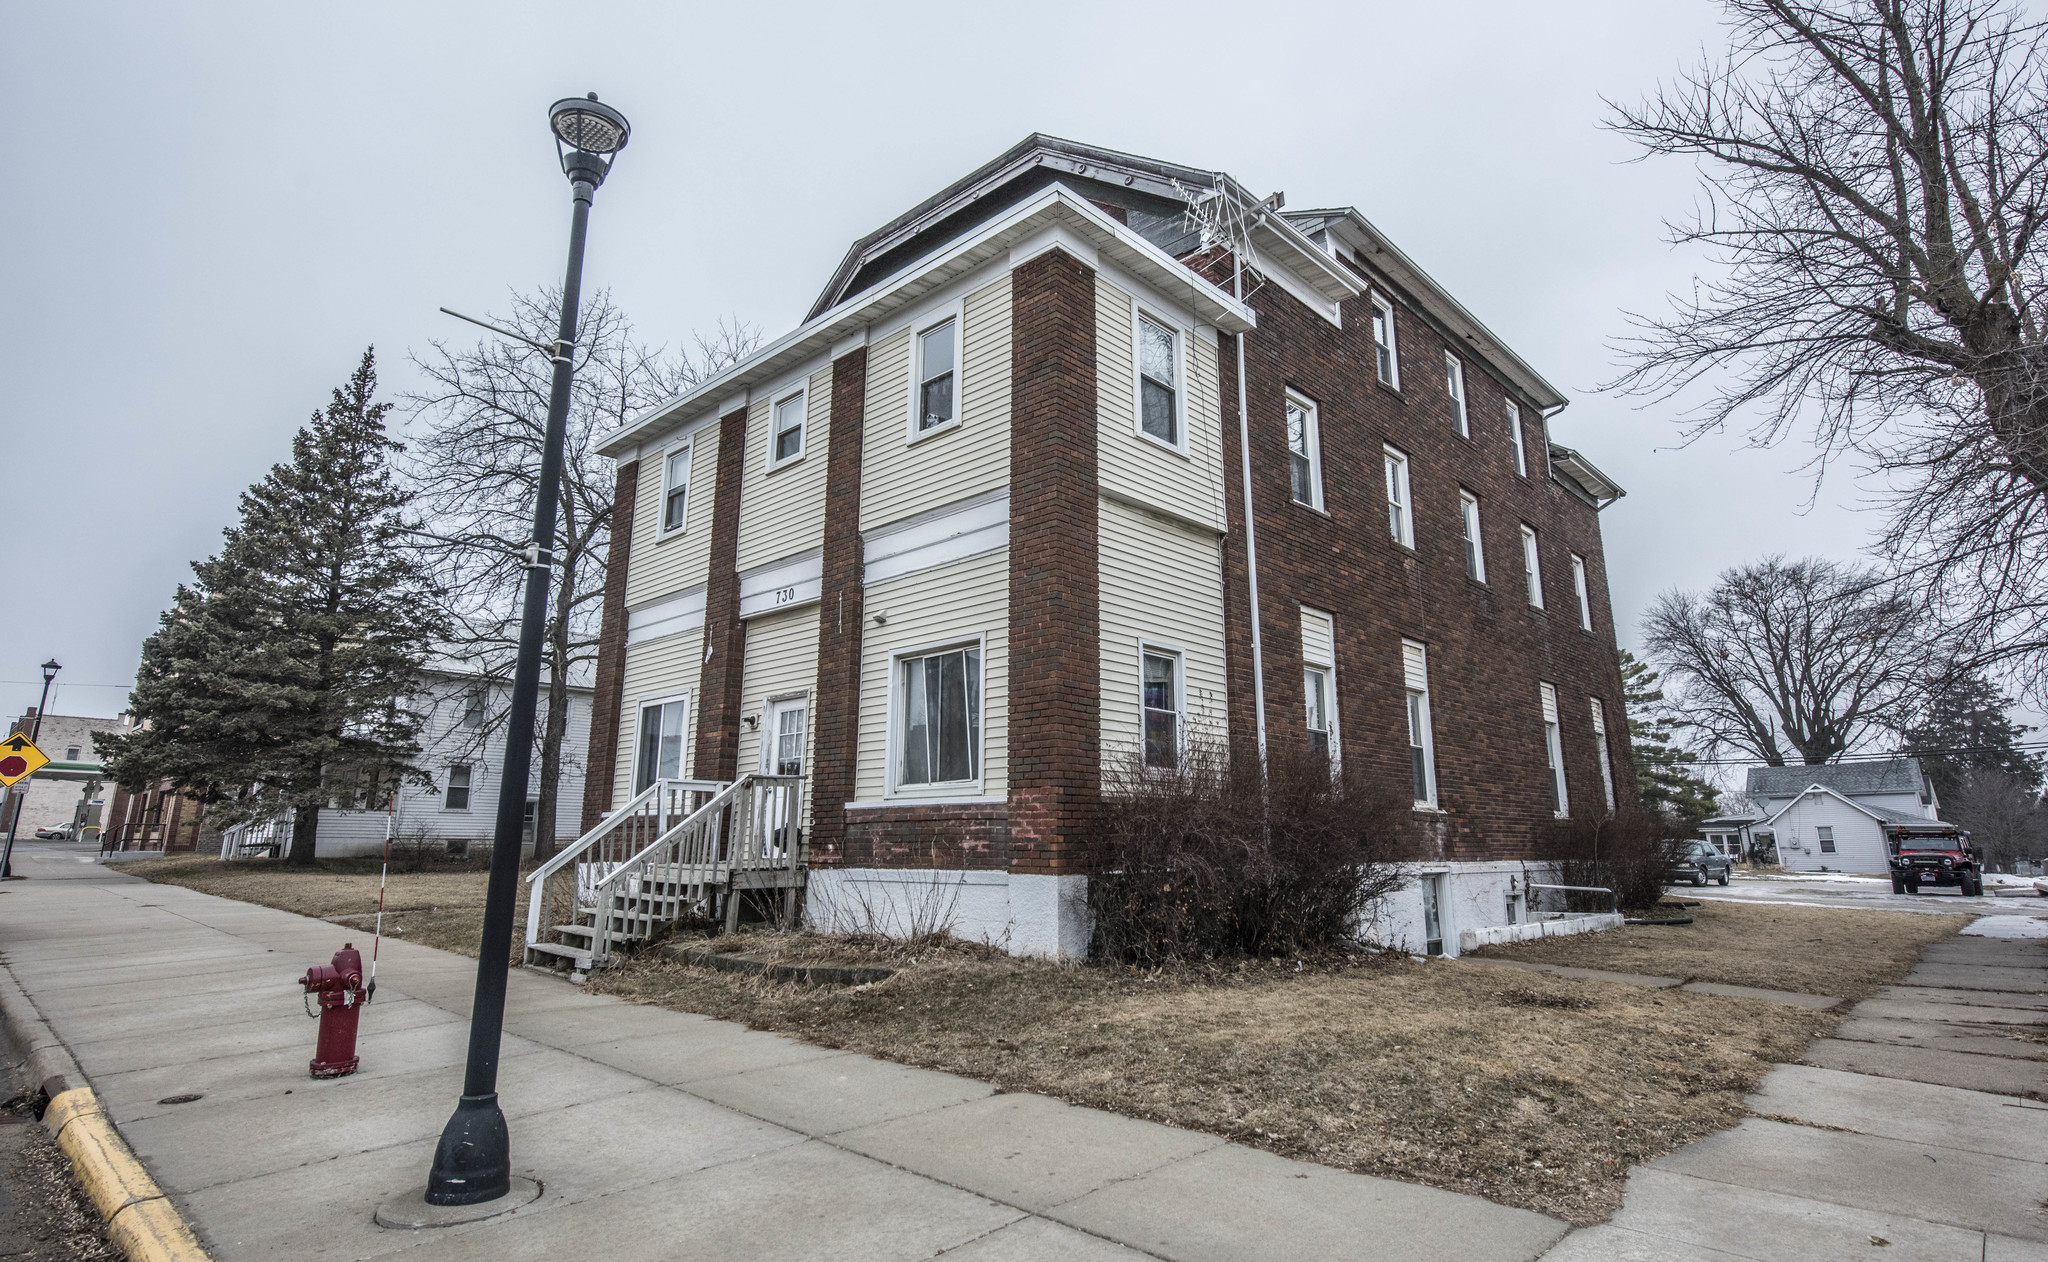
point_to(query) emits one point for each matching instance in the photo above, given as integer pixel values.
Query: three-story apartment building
(985, 521)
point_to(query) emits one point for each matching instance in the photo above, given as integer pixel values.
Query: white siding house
(1831, 818)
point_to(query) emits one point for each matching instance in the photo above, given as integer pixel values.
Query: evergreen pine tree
(278, 678)
(1966, 725)
(1662, 775)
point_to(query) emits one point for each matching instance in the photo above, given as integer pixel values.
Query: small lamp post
(473, 1164)
(15, 794)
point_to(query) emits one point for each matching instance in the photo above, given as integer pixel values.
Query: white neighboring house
(462, 746)
(1831, 818)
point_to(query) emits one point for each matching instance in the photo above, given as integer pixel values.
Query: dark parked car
(1932, 854)
(1700, 863)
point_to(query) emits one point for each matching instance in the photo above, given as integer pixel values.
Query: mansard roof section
(1055, 217)
(1151, 196)
(1338, 229)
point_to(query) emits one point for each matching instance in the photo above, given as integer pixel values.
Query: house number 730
(783, 595)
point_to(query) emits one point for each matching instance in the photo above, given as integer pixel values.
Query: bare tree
(2004, 814)
(475, 455)
(1874, 181)
(1811, 655)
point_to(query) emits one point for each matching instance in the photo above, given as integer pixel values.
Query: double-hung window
(661, 742)
(1304, 451)
(938, 353)
(1606, 759)
(1553, 751)
(457, 797)
(1383, 341)
(1421, 745)
(1319, 683)
(1579, 589)
(1159, 699)
(1532, 568)
(475, 706)
(1475, 551)
(1454, 379)
(675, 489)
(786, 442)
(1825, 834)
(1515, 439)
(1400, 516)
(1158, 380)
(940, 701)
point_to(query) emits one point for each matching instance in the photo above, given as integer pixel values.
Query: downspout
(1251, 539)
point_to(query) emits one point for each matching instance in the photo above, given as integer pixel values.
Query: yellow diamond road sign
(19, 758)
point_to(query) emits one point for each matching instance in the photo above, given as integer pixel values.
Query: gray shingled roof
(1893, 775)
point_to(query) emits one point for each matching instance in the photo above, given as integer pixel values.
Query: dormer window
(937, 351)
(1158, 381)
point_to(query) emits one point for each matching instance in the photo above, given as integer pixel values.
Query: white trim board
(670, 615)
(928, 540)
(786, 584)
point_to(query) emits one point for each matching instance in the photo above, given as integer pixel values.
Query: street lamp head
(50, 669)
(588, 135)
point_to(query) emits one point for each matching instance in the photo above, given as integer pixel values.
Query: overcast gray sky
(214, 208)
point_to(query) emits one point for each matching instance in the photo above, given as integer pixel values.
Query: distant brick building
(71, 788)
(979, 524)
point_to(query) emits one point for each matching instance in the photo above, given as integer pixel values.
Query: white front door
(782, 739)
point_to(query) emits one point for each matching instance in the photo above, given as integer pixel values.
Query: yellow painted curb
(139, 1218)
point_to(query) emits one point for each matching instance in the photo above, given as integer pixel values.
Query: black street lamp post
(474, 1161)
(15, 796)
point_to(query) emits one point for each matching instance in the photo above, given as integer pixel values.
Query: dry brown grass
(1524, 1089)
(1818, 950)
(439, 908)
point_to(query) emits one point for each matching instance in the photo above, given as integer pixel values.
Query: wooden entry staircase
(680, 847)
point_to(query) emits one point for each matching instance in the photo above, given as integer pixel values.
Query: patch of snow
(2008, 927)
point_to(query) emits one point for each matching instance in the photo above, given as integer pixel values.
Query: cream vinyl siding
(782, 658)
(1189, 486)
(784, 512)
(661, 566)
(947, 604)
(1162, 584)
(661, 668)
(900, 477)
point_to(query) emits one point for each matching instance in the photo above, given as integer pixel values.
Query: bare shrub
(1206, 860)
(1628, 853)
(919, 906)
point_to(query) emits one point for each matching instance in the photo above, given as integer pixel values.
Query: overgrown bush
(1206, 861)
(1629, 853)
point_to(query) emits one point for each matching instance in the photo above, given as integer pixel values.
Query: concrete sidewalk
(656, 1134)
(1917, 1126)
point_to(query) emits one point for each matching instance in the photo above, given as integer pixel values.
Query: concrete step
(575, 955)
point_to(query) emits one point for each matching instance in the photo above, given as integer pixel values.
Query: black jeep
(1932, 854)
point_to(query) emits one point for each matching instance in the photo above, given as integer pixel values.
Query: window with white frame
(1606, 759)
(660, 753)
(475, 708)
(1579, 589)
(1515, 439)
(786, 426)
(1319, 684)
(1159, 701)
(1825, 834)
(938, 354)
(457, 796)
(1421, 746)
(1304, 451)
(675, 489)
(1158, 380)
(1383, 341)
(939, 700)
(1532, 568)
(1475, 550)
(1399, 515)
(1553, 751)
(1454, 380)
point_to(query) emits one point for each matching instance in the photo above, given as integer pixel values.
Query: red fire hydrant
(340, 987)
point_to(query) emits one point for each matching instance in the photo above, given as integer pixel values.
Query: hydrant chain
(340, 987)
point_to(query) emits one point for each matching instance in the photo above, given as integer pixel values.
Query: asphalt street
(2003, 895)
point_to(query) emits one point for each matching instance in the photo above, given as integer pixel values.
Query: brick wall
(718, 707)
(836, 733)
(926, 835)
(601, 764)
(1487, 648)
(1055, 612)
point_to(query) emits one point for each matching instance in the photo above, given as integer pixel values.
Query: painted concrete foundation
(1044, 916)
(1530, 930)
